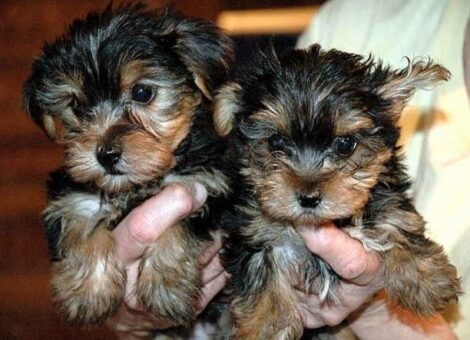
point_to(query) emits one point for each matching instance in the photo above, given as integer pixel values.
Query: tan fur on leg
(169, 276)
(421, 280)
(271, 316)
(88, 284)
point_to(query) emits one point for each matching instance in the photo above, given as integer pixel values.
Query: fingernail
(200, 193)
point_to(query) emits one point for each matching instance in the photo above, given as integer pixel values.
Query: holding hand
(359, 269)
(141, 228)
(368, 314)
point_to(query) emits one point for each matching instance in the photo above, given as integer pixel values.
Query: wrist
(370, 315)
(378, 319)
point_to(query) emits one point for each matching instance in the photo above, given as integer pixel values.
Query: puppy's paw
(266, 317)
(423, 283)
(88, 285)
(284, 332)
(169, 287)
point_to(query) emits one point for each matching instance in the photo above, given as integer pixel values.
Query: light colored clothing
(436, 125)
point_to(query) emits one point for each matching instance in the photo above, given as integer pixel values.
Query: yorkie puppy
(127, 91)
(315, 134)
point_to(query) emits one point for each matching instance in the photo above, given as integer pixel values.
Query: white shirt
(436, 125)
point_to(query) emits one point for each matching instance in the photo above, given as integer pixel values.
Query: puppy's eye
(345, 145)
(276, 142)
(142, 93)
(74, 108)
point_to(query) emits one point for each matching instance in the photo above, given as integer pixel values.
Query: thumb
(346, 255)
(146, 223)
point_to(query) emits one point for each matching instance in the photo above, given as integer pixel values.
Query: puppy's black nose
(108, 155)
(308, 201)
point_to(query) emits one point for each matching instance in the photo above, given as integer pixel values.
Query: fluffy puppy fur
(127, 91)
(315, 136)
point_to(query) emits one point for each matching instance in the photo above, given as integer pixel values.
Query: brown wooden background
(26, 156)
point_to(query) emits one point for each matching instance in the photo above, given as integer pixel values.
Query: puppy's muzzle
(308, 201)
(108, 155)
(109, 151)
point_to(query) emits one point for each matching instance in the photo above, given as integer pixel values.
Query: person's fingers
(211, 270)
(309, 309)
(146, 223)
(345, 255)
(317, 313)
(212, 249)
(130, 297)
(211, 289)
(129, 323)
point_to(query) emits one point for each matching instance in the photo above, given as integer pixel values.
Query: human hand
(362, 302)
(359, 271)
(141, 228)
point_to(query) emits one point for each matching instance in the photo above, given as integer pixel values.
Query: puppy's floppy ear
(30, 103)
(239, 98)
(226, 107)
(202, 47)
(400, 85)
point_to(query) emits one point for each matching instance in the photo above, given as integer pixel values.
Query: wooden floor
(26, 156)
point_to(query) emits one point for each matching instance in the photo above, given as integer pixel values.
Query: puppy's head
(120, 89)
(317, 128)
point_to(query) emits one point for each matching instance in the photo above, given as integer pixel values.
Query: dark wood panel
(23, 247)
(28, 164)
(22, 198)
(36, 319)
(251, 4)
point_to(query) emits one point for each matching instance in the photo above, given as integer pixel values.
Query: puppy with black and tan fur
(315, 140)
(127, 93)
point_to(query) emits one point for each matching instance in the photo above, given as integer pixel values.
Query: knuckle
(323, 241)
(333, 318)
(353, 268)
(141, 229)
(183, 198)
